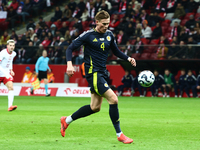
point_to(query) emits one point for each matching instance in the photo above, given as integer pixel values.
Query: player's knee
(114, 99)
(10, 88)
(95, 108)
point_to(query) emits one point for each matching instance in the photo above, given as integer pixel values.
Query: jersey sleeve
(76, 44)
(48, 64)
(11, 64)
(116, 50)
(1, 56)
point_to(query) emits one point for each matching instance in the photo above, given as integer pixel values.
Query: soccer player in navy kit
(97, 43)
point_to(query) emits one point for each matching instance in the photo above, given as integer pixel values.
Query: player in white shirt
(6, 73)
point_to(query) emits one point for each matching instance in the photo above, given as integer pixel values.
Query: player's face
(155, 73)
(167, 72)
(102, 25)
(44, 54)
(11, 47)
(182, 72)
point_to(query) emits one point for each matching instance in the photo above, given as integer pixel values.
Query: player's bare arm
(12, 72)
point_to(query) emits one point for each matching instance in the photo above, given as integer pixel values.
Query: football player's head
(182, 71)
(10, 45)
(102, 21)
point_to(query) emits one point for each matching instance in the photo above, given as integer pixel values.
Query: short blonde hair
(10, 41)
(102, 15)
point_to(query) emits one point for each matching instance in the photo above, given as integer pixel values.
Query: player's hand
(36, 74)
(12, 73)
(70, 71)
(198, 87)
(132, 61)
(49, 70)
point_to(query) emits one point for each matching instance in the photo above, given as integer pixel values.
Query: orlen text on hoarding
(74, 92)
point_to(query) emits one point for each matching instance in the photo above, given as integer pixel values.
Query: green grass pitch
(153, 123)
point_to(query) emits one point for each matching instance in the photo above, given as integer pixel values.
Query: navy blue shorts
(97, 82)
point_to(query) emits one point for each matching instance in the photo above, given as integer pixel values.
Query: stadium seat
(145, 56)
(178, 75)
(162, 14)
(168, 35)
(133, 73)
(153, 56)
(155, 41)
(136, 56)
(187, 16)
(183, 22)
(197, 16)
(83, 82)
(132, 41)
(71, 25)
(58, 24)
(164, 29)
(48, 23)
(166, 23)
(153, 47)
(169, 16)
(85, 24)
(145, 41)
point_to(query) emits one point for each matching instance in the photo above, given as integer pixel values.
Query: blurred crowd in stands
(144, 29)
(178, 84)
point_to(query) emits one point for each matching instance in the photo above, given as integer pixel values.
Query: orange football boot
(11, 108)
(64, 125)
(124, 139)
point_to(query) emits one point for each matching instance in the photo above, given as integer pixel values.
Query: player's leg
(194, 91)
(187, 91)
(9, 85)
(140, 90)
(114, 115)
(84, 111)
(181, 88)
(168, 87)
(46, 86)
(162, 88)
(176, 90)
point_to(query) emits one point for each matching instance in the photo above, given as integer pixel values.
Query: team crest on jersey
(101, 39)
(106, 85)
(108, 38)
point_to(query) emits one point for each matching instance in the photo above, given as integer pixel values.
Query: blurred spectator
(190, 83)
(57, 15)
(27, 7)
(36, 41)
(13, 35)
(22, 12)
(50, 76)
(29, 54)
(50, 54)
(183, 36)
(129, 30)
(123, 24)
(37, 5)
(157, 32)
(155, 18)
(92, 11)
(67, 36)
(46, 42)
(129, 11)
(176, 29)
(57, 55)
(85, 15)
(170, 82)
(64, 28)
(191, 23)
(138, 46)
(161, 6)
(171, 6)
(4, 38)
(179, 11)
(50, 36)
(144, 16)
(46, 28)
(191, 40)
(192, 6)
(146, 31)
(172, 52)
(122, 38)
(174, 39)
(97, 5)
(20, 41)
(42, 22)
(114, 23)
(162, 51)
(164, 39)
(27, 75)
(38, 29)
(31, 24)
(81, 6)
(62, 42)
(20, 55)
(193, 34)
(181, 82)
(54, 42)
(42, 36)
(39, 51)
(32, 34)
(79, 58)
(77, 13)
(72, 5)
(109, 6)
(11, 17)
(144, 4)
(78, 25)
(127, 81)
(128, 49)
(75, 34)
(159, 81)
(184, 3)
(58, 35)
(122, 7)
(53, 29)
(198, 37)
(197, 86)
(182, 50)
(138, 31)
(14, 5)
(67, 14)
(190, 52)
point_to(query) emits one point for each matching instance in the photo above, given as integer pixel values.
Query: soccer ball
(146, 78)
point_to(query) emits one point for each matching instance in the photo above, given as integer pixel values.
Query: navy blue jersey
(96, 49)
(182, 80)
(198, 81)
(127, 80)
(159, 80)
(191, 80)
